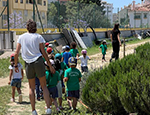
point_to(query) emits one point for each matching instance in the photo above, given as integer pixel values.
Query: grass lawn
(5, 95)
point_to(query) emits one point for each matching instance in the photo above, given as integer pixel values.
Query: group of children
(66, 71)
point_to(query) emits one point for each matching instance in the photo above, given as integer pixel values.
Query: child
(84, 58)
(61, 85)
(15, 79)
(74, 52)
(51, 46)
(72, 77)
(103, 46)
(66, 55)
(51, 81)
(63, 50)
(46, 46)
(49, 50)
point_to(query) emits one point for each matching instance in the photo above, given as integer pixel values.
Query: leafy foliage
(121, 88)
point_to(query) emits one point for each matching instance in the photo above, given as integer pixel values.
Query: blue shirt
(66, 56)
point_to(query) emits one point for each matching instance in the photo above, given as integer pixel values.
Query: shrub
(122, 87)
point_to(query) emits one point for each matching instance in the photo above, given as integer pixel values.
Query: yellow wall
(20, 7)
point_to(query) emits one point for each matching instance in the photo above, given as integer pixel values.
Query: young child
(66, 55)
(49, 50)
(15, 79)
(72, 77)
(63, 50)
(103, 46)
(84, 58)
(46, 46)
(51, 81)
(60, 85)
(74, 52)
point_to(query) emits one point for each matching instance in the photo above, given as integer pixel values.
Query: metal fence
(71, 14)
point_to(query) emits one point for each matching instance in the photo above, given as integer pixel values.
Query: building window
(4, 17)
(137, 16)
(145, 15)
(31, 1)
(21, 1)
(39, 2)
(27, 1)
(4, 3)
(44, 3)
(16, 1)
(43, 15)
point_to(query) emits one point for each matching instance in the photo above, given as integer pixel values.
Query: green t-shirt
(63, 66)
(52, 79)
(104, 48)
(74, 52)
(73, 75)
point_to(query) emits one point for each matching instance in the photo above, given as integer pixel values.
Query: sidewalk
(6, 53)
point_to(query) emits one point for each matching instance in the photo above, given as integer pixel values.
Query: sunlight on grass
(5, 95)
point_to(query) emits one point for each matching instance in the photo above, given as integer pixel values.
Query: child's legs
(54, 93)
(59, 88)
(19, 90)
(69, 101)
(55, 102)
(60, 101)
(37, 85)
(75, 96)
(103, 58)
(74, 104)
(13, 92)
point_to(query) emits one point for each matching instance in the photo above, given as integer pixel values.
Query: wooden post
(124, 47)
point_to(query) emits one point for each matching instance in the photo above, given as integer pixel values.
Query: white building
(108, 11)
(138, 14)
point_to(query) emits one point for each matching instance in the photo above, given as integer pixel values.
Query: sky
(121, 3)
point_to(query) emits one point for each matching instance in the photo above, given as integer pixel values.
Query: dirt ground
(95, 62)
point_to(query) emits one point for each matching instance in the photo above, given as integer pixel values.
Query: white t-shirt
(84, 60)
(30, 49)
(16, 75)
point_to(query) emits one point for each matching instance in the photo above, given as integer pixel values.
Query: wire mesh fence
(69, 14)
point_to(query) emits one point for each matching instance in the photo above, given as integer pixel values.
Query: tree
(98, 2)
(15, 21)
(91, 13)
(56, 15)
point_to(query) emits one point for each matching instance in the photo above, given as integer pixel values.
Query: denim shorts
(16, 83)
(53, 92)
(73, 94)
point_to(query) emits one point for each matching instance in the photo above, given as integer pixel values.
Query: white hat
(51, 61)
(50, 45)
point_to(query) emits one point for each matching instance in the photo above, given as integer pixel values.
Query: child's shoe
(61, 108)
(20, 98)
(58, 110)
(12, 100)
(34, 112)
(48, 111)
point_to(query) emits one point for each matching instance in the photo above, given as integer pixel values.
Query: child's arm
(62, 59)
(22, 74)
(79, 79)
(10, 75)
(65, 79)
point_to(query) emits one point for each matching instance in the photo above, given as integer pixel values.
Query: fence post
(12, 40)
(124, 47)
(4, 40)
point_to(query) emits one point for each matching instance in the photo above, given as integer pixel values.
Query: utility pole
(8, 14)
(59, 15)
(33, 10)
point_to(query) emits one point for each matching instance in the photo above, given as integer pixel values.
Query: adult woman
(32, 47)
(116, 43)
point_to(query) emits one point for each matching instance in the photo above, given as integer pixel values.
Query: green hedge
(121, 88)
